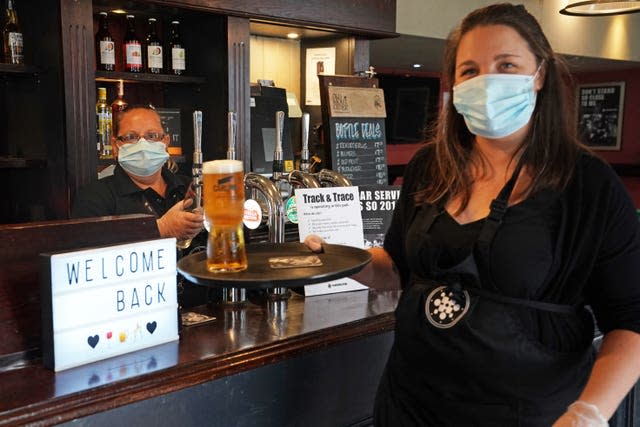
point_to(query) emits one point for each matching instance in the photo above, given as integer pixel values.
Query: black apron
(462, 355)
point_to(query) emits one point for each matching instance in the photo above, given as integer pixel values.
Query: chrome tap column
(302, 178)
(233, 295)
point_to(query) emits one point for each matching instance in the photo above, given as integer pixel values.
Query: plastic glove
(179, 223)
(314, 242)
(581, 414)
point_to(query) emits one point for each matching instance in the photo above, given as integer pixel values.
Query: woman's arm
(616, 370)
(380, 273)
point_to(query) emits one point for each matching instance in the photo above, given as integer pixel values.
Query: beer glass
(223, 194)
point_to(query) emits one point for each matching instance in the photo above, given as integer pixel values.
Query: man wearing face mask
(141, 183)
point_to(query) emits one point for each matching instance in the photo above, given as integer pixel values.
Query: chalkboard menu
(357, 134)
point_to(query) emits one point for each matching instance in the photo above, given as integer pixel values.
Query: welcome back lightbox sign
(103, 302)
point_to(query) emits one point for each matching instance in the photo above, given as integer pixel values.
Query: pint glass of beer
(223, 194)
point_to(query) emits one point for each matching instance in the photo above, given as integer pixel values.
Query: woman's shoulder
(594, 171)
(420, 163)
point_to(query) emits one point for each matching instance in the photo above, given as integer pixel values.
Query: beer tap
(196, 167)
(278, 155)
(194, 192)
(233, 295)
(304, 152)
(303, 178)
(330, 178)
(233, 127)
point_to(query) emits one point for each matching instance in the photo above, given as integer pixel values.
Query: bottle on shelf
(105, 46)
(132, 48)
(154, 49)
(118, 104)
(12, 40)
(103, 128)
(177, 50)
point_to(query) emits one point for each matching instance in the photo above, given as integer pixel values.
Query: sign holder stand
(353, 116)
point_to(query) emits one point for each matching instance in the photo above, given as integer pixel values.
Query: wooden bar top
(259, 333)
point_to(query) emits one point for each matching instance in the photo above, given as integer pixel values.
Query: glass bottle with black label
(178, 52)
(105, 46)
(12, 40)
(132, 48)
(154, 49)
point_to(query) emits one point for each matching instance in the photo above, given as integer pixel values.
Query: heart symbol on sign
(94, 379)
(151, 326)
(153, 363)
(93, 341)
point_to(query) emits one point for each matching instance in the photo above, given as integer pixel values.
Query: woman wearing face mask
(505, 229)
(141, 183)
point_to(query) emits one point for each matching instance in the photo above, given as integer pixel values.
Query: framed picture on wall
(600, 110)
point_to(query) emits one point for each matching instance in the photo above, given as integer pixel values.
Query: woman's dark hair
(550, 148)
(118, 117)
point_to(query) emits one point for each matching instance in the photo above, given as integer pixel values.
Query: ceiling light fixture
(293, 35)
(601, 8)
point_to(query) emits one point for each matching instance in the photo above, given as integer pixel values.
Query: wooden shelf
(115, 76)
(11, 162)
(19, 69)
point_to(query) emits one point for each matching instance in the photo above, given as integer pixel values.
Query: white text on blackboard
(358, 130)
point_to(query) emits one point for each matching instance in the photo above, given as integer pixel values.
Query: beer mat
(335, 262)
(189, 318)
(295, 261)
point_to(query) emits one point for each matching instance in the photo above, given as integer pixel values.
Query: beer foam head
(222, 166)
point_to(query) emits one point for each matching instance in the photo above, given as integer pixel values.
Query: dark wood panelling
(20, 271)
(238, 60)
(80, 96)
(241, 339)
(365, 17)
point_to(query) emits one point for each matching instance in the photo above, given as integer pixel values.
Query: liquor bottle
(178, 53)
(132, 48)
(103, 128)
(118, 104)
(154, 49)
(105, 46)
(12, 39)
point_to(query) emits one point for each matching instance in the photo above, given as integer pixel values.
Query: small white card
(332, 213)
(346, 284)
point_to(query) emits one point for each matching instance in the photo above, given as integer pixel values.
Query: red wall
(629, 153)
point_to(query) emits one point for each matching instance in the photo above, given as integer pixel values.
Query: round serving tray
(337, 261)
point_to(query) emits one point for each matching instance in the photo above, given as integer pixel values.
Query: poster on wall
(320, 60)
(600, 110)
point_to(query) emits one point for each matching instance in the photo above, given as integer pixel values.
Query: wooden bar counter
(301, 361)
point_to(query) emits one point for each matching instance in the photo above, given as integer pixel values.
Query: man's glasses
(133, 137)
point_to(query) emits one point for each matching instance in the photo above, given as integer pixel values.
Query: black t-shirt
(119, 195)
(581, 245)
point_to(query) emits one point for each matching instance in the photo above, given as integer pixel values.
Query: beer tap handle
(304, 154)
(278, 156)
(233, 128)
(196, 168)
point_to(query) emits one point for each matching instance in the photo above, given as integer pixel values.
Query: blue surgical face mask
(143, 158)
(496, 105)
